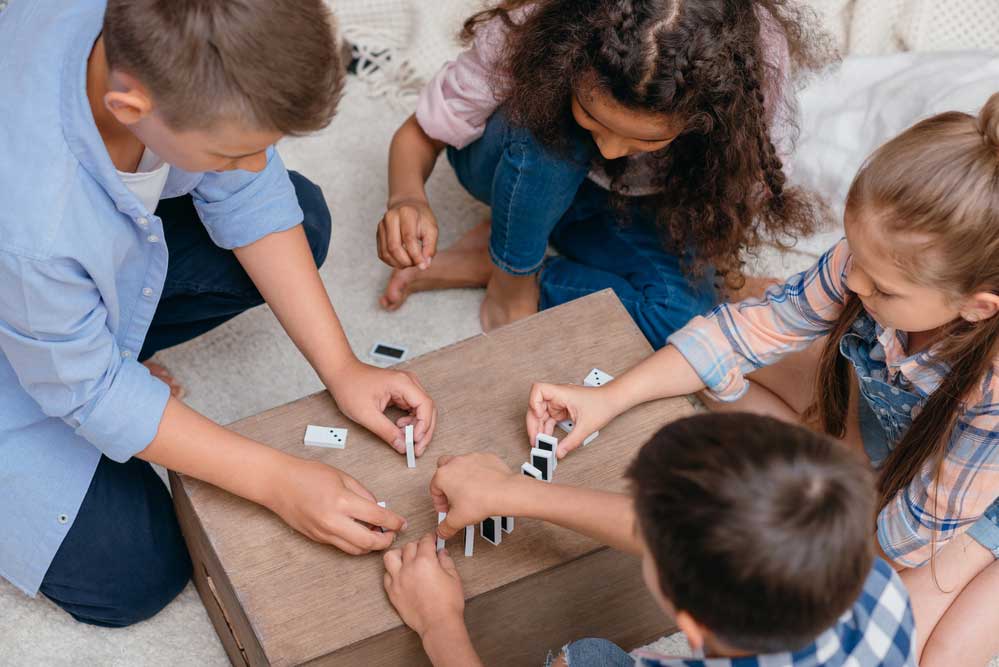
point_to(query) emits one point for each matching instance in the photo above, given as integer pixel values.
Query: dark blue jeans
(538, 197)
(124, 558)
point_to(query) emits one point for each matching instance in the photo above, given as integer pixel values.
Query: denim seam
(506, 268)
(513, 194)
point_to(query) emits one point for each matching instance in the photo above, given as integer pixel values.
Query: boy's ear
(692, 630)
(980, 306)
(128, 100)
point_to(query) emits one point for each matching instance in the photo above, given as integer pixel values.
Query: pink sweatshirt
(456, 104)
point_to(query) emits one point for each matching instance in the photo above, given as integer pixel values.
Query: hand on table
(423, 585)
(363, 392)
(549, 404)
(469, 488)
(407, 235)
(326, 504)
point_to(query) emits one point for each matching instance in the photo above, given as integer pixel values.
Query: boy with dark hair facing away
(754, 536)
(110, 106)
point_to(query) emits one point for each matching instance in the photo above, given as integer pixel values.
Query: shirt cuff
(240, 207)
(127, 418)
(693, 342)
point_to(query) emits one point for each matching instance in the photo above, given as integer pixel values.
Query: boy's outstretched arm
(283, 269)
(321, 502)
(475, 486)
(424, 587)
(407, 234)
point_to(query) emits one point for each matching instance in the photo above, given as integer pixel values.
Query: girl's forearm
(608, 518)
(665, 374)
(412, 157)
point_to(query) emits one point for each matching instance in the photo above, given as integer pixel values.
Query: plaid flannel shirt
(736, 339)
(878, 630)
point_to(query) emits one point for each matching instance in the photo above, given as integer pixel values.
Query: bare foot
(508, 299)
(465, 264)
(176, 388)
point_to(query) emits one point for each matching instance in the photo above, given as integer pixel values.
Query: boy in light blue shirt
(109, 107)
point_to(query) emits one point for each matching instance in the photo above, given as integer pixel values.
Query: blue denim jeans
(593, 653)
(124, 558)
(539, 198)
(885, 412)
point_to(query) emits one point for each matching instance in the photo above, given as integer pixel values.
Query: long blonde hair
(934, 191)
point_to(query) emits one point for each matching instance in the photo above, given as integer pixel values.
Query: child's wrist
(415, 197)
(442, 634)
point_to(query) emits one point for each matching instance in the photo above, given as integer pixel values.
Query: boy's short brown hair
(273, 65)
(762, 531)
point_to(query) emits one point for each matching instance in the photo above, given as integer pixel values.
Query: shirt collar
(78, 124)
(923, 370)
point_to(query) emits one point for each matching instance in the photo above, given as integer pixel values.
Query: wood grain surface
(298, 601)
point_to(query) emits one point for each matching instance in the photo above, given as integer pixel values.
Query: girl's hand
(363, 392)
(587, 407)
(407, 235)
(470, 488)
(424, 587)
(326, 505)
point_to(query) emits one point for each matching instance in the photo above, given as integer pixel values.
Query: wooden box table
(277, 598)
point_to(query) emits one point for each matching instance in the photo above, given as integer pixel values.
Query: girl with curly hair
(642, 139)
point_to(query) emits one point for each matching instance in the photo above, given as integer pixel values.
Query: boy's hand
(326, 504)
(407, 235)
(470, 488)
(363, 392)
(424, 587)
(587, 407)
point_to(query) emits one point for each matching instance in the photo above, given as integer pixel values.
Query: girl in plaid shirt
(890, 343)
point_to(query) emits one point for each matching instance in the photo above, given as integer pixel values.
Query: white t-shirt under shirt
(149, 179)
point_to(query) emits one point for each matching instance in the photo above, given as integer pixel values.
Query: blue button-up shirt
(82, 265)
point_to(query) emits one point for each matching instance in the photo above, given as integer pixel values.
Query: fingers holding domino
(469, 489)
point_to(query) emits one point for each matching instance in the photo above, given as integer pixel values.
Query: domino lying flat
(388, 352)
(325, 436)
(597, 378)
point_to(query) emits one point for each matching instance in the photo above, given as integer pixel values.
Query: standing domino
(549, 444)
(410, 448)
(597, 378)
(383, 505)
(530, 471)
(542, 460)
(440, 520)
(490, 530)
(469, 541)
(507, 523)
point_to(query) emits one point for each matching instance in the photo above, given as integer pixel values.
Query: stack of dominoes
(541, 466)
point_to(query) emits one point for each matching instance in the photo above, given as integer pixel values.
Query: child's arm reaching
(475, 486)
(424, 587)
(715, 352)
(407, 234)
(282, 268)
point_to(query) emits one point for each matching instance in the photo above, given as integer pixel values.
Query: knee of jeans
(317, 222)
(153, 586)
(593, 652)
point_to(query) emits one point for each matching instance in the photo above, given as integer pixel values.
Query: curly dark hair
(721, 182)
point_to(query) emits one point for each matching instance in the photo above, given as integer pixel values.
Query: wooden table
(277, 598)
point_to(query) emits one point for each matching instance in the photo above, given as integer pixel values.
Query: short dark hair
(760, 530)
(273, 64)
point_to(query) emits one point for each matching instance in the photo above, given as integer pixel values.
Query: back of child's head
(929, 198)
(268, 65)
(760, 530)
(702, 62)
